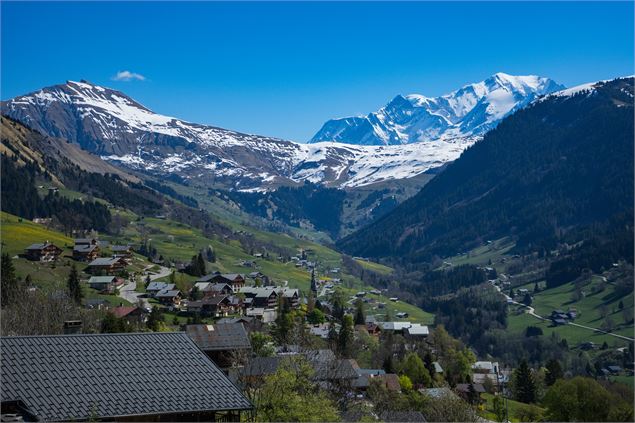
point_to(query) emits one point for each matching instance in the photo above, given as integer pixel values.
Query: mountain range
(464, 114)
(559, 171)
(114, 126)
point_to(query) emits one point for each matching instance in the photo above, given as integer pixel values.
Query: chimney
(72, 327)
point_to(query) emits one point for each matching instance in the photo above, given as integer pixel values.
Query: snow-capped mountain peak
(466, 113)
(109, 123)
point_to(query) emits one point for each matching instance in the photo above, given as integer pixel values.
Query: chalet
(209, 289)
(615, 370)
(250, 323)
(107, 265)
(133, 315)
(85, 252)
(105, 284)
(96, 304)
(463, 390)
(292, 296)
(235, 280)
(416, 331)
(154, 288)
(558, 321)
(406, 328)
(220, 341)
(586, 346)
(169, 297)
(261, 297)
(321, 330)
(373, 329)
(401, 315)
(122, 251)
(217, 306)
(327, 368)
(42, 383)
(86, 241)
(485, 367)
(364, 376)
(265, 315)
(497, 379)
(45, 252)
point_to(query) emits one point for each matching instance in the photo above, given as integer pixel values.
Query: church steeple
(313, 284)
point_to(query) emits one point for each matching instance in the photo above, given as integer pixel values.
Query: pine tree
(524, 383)
(554, 372)
(310, 302)
(345, 337)
(332, 336)
(472, 395)
(360, 319)
(313, 284)
(9, 283)
(210, 254)
(429, 363)
(200, 265)
(74, 287)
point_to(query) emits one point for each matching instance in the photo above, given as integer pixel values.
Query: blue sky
(283, 69)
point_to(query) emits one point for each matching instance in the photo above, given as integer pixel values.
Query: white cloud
(128, 76)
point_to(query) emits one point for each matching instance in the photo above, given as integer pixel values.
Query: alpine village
(154, 269)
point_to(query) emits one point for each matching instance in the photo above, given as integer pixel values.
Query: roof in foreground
(219, 337)
(73, 377)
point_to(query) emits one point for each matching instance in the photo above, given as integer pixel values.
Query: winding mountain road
(531, 311)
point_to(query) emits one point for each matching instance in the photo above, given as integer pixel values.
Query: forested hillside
(558, 171)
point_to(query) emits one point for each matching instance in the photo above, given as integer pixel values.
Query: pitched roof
(168, 293)
(262, 366)
(104, 261)
(67, 377)
(417, 329)
(101, 279)
(465, 387)
(123, 311)
(219, 337)
(84, 248)
(39, 246)
(122, 248)
(160, 286)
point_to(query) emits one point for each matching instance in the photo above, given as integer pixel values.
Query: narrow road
(531, 311)
(128, 291)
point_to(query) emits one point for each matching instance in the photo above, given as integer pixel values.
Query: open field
(513, 408)
(485, 254)
(590, 308)
(375, 267)
(573, 334)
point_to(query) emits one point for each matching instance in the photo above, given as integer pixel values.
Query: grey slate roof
(104, 261)
(219, 337)
(84, 248)
(113, 375)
